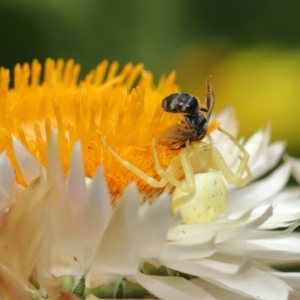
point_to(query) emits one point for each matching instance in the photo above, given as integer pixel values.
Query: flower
(73, 229)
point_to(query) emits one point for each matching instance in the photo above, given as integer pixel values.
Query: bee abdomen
(181, 103)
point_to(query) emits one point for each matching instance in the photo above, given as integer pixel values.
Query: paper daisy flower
(80, 220)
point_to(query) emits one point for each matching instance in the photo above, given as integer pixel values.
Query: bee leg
(174, 171)
(138, 172)
(177, 146)
(233, 178)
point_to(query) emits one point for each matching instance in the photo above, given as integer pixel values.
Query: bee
(194, 125)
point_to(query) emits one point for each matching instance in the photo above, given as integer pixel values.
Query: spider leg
(173, 172)
(236, 178)
(244, 160)
(150, 180)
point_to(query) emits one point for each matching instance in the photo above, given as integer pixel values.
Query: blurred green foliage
(251, 48)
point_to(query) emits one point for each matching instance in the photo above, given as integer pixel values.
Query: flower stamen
(103, 103)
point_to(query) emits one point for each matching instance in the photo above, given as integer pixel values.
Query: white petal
(29, 166)
(194, 250)
(217, 292)
(258, 143)
(224, 229)
(273, 225)
(228, 122)
(202, 232)
(268, 159)
(7, 182)
(262, 189)
(207, 267)
(290, 192)
(10, 286)
(254, 145)
(291, 278)
(269, 250)
(222, 142)
(255, 284)
(172, 288)
(287, 244)
(175, 221)
(253, 222)
(267, 234)
(54, 167)
(75, 183)
(286, 202)
(295, 163)
(96, 211)
(153, 228)
(60, 218)
(285, 210)
(117, 252)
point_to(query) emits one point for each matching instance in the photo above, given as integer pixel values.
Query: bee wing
(176, 135)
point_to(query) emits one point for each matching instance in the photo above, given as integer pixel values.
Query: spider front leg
(174, 172)
(138, 172)
(233, 178)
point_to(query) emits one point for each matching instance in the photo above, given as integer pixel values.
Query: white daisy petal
(228, 122)
(7, 182)
(10, 285)
(254, 221)
(254, 145)
(271, 225)
(268, 159)
(255, 284)
(208, 268)
(56, 182)
(152, 239)
(203, 232)
(289, 243)
(262, 189)
(276, 250)
(96, 211)
(222, 142)
(172, 288)
(175, 221)
(54, 169)
(118, 251)
(217, 292)
(295, 164)
(29, 166)
(290, 213)
(291, 278)
(185, 250)
(75, 182)
(267, 234)
(290, 192)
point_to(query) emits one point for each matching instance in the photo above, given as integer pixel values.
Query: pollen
(124, 106)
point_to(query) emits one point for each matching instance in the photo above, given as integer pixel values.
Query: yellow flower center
(103, 103)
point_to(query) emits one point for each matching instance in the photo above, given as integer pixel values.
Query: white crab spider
(196, 157)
